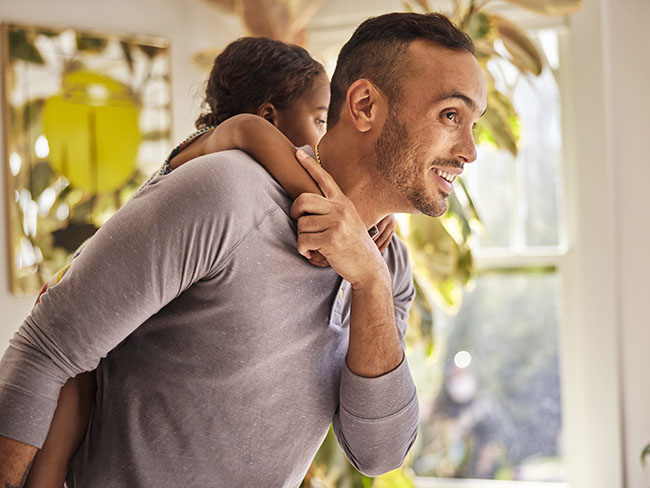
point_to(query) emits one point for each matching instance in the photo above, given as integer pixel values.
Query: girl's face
(304, 122)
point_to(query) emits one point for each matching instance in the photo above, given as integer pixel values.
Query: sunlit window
(490, 395)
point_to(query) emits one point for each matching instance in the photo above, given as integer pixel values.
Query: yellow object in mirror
(92, 130)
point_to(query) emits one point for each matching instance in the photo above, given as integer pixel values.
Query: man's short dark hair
(376, 51)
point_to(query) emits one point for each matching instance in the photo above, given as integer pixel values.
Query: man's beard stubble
(399, 163)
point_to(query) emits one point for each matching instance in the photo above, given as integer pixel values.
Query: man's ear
(268, 111)
(366, 105)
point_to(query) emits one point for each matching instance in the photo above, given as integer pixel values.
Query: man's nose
(465, 148)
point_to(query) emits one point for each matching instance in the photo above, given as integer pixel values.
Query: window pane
(492, 185)
(518, 199)
(539, 160)
(490, 399)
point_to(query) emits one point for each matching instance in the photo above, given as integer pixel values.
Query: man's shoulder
(227, 168)
(228, 178)
(397, 258)
(397, 253)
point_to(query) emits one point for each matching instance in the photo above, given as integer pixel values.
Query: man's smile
(444, 175)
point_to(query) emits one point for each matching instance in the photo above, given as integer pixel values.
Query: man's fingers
(309, 242)
(317, 259)
(311, 223)
(308, 203)
(322, 178)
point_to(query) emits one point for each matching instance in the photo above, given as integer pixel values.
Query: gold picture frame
(86, 119)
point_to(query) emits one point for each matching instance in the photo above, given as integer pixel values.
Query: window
(490, 395)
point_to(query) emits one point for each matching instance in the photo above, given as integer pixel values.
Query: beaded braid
(165, 169)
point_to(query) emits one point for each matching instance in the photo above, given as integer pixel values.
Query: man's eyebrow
(468, 101)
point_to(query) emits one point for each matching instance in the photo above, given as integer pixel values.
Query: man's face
(427, 137)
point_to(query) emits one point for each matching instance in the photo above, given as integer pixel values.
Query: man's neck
(344, 161)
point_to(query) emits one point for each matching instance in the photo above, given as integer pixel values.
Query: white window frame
(474, 483)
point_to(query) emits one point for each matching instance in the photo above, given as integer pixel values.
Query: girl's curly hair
(252, 71)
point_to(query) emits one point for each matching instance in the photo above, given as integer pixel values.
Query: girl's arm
(66, 432)
(268, 146)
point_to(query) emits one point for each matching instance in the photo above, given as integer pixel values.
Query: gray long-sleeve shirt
(220, 350)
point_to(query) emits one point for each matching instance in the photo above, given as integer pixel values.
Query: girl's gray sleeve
(377, 419)
(156, 246)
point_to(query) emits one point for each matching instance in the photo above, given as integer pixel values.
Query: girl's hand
(386, 227)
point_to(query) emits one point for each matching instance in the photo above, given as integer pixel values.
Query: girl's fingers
(383, 239)
(386, 228)
(384, 244)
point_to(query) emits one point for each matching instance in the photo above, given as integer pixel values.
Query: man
(224, 362)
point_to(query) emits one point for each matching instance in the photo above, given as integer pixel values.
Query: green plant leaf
(408, 7)
(478, 26)
(471, 208)
(523, 53)
(644, 454)
(229, 6)
(394, 479)
(90, 44)
(22, 47)
(500, 121)
(420, 322)
(484, 50)
(40, 178)
(424, 5)
(458, 213)
(497, 128)
(150, 51)
(549, 7)
(126, 50)
(266, 18)
(24, 116)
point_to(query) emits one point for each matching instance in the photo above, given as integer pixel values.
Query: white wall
(607, 102)
(628, 108)
(590, 367)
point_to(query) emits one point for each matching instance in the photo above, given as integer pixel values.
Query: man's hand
(15, 458)
(385, 231)
(331, 225)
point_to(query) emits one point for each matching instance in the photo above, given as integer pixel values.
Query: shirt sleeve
(377, 419)
(163, 240)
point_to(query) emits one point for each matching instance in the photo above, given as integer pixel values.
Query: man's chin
(432, 209)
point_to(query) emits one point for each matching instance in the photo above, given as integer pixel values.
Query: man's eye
(451, 116)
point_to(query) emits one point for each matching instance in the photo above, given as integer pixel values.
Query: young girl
(281, 85)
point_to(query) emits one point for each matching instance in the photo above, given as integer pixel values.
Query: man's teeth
(446, 176)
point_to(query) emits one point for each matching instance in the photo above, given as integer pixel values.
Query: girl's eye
(320, 122)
